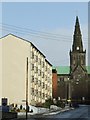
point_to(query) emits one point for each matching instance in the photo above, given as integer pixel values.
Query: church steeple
(77, 38)
(78, 71)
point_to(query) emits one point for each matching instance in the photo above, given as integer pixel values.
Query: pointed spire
(77, 21)
(77, 37)
(77, 27)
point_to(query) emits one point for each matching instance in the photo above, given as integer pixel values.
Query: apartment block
(14, 54)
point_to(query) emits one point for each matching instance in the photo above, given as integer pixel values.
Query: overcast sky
(49, 26)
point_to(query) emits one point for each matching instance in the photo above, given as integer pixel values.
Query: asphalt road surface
(81, 113)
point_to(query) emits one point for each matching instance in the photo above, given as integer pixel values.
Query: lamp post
(27, 89)
(66, 93)
(69, 91)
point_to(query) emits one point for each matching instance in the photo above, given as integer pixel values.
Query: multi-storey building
(14, 54)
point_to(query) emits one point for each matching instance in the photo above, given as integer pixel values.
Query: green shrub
(48, 103)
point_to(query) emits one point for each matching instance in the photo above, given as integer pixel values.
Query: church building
(78, 71)
(75, 82)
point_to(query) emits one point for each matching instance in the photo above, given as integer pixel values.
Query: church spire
(77, 37)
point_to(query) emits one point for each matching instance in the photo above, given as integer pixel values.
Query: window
(42, 64)
(32, 78)
(46, 95)
(32, 90)
(39, 83)
(43, 85)
(39, 93)
(36, 80)
(32, 66)
(46, 68)
(43, 95)
(36, 69)
(48, 71)
(36, 92)
(32, 55)
(74, 62)
(42, 74)
(39, 61)
(39, 72)
(61, 79)
(36, 58)
(46, 78)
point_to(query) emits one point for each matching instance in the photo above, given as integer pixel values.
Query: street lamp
(26, 100)
(69, 90)
(66, 89)
(27, 89)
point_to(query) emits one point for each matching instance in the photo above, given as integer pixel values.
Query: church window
(82, 62)
(73, 61)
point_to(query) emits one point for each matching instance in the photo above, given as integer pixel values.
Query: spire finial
(76, 12)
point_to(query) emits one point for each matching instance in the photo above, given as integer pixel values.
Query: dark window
(42, 64)
(43, 85)
(43, 95)
(32, 55)
(32, 66)
(33, 90)
(32, 78)
(42, 74)
(36, 58)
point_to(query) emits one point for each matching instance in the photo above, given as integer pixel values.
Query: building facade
(61, 79)
(15, 52)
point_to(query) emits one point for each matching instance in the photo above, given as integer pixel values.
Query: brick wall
(54, 84)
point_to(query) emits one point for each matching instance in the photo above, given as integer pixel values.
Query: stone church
(74, 84)
(78, 71)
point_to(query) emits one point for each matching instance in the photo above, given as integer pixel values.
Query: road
(81, 113)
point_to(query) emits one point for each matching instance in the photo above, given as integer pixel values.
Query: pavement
(53, 112)
(43, 115)
(66, 113)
